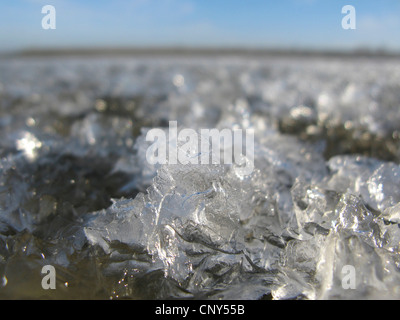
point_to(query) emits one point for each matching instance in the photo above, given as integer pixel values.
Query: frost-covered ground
(77, 192)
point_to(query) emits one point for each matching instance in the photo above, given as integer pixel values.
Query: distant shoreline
(204, 52)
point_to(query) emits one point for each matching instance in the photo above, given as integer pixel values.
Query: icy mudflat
(77, 192)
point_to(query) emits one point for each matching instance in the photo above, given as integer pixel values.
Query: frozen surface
(77, 192)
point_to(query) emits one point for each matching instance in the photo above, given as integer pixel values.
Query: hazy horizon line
(203, 50)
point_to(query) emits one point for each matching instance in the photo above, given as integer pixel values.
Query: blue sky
(306, 24)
